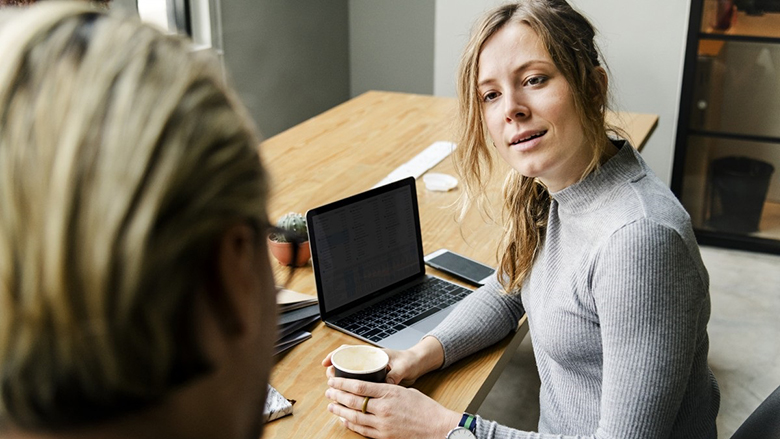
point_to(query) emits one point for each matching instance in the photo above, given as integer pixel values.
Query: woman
(136, 292)
(596, 250)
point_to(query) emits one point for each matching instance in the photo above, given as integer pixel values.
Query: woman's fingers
(363, 430)
(396, 376)
(395, 372)
(350, 407)
(346, 399)
(354, 420)
(392, 412)
(357, 387)
(404, 367)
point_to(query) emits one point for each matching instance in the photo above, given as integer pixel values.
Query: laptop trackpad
(426, 325)
(408, 337)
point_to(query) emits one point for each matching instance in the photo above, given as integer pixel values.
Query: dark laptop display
(367, 249)
(366, 245)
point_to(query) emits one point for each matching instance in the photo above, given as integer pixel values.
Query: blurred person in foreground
(137, 299)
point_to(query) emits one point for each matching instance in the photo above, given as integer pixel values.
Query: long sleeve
(480, 320)
(651, 300)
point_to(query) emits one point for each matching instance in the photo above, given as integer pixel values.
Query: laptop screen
(365, 243)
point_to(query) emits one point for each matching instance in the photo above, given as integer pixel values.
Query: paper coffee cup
(365, 363)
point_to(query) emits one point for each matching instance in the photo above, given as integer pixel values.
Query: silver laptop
(368, 264)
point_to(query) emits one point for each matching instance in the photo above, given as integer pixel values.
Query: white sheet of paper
(425, 160)
(287, 297)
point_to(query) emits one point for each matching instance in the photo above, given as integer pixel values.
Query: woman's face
(528, 108)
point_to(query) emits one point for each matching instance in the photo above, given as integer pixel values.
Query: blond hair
(123, 159)
(569, 39)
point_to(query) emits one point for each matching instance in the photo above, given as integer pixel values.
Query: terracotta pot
(282, 251)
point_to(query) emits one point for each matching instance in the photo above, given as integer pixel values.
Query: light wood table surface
(347, 150)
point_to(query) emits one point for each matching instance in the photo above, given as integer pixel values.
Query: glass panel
(733, 186)
(754, 18)
(737, 88)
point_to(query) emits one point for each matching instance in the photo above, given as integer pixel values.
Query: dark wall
(288, 59)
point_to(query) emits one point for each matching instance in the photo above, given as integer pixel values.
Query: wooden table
(347, 150)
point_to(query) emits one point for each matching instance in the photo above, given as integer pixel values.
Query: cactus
(295, 223)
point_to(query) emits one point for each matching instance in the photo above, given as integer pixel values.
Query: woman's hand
(407, 365)
(391, 411)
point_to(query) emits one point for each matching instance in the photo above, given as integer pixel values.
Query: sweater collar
(623, 166)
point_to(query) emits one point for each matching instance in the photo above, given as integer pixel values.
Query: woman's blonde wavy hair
(569, 39)
(123, 160)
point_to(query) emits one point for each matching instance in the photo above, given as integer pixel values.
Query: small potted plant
(282, 248)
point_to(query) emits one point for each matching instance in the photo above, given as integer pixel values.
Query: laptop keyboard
(390, 316)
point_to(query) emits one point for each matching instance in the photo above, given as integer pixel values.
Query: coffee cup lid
(382, 354)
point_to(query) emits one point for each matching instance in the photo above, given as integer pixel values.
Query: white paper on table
(289, 300)
(425, 160)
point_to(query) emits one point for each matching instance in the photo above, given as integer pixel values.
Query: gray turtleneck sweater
(618, 304)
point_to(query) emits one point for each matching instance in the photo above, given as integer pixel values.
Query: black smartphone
(465, 269)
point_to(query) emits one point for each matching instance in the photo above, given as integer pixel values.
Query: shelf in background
(734, 136)
(754, 28)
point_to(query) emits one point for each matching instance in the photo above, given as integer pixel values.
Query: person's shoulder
(659, 218)
(657, 202)
(639, 193)
(653, 202)
(655, 240)
(644, 216)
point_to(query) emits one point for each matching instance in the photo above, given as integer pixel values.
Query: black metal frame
(708, 237)
(739, 38)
